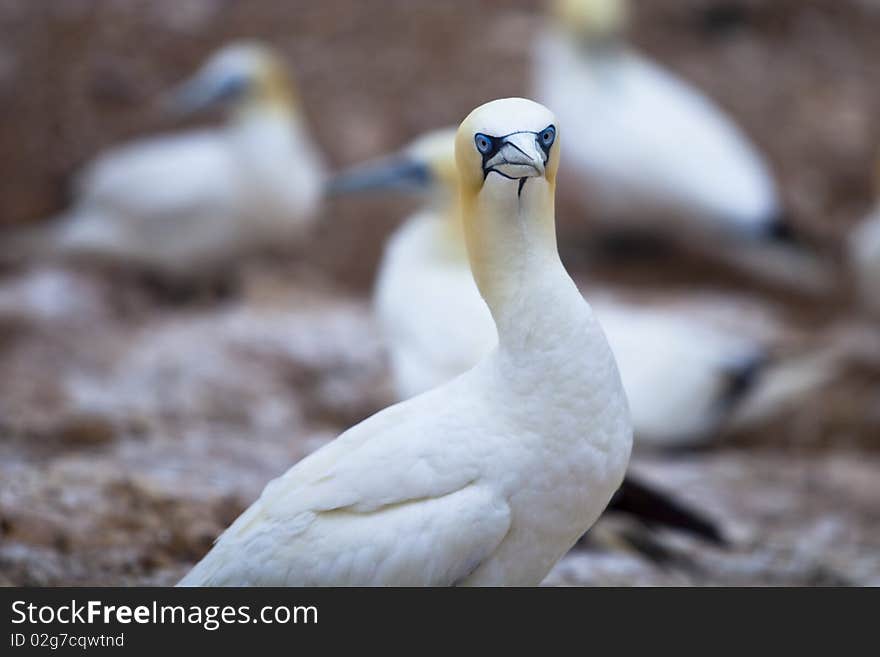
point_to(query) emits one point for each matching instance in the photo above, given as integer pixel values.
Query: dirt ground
(133, 429)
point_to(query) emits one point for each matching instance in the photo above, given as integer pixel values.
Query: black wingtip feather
(653, 507)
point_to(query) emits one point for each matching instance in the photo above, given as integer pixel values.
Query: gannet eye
(548, 136)
(484, 143)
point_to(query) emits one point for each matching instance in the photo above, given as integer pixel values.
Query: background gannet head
(240, 77)
(511, 145)
(426, 164)
(592, 20)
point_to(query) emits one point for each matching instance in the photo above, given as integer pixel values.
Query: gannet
(492, 477)
(181, 203)
(864, 257)
(436, 325)
(648, 141)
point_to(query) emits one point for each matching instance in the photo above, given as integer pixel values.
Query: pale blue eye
(484, 143)
(548, 136)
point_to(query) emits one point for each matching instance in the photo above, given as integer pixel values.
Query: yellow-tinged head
(425, 165)
(436, 150)
(240, 77)
(592, 19)
(505, 146)
(507, 154)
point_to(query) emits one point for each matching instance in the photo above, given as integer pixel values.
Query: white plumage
(683, 377)
(435, 323)
(864, 256)
(183, 203)
(647, 140)
(491, 478)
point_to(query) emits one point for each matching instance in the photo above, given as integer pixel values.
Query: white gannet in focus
(491, 478)
(182, 203)
(437, 326)
(646, 139)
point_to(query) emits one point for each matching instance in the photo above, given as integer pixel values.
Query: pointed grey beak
(519, 157)
(202, 92)
(397, 173)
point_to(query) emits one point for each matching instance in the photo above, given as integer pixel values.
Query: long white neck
(511, 241)
(551, 350)
(263, 121)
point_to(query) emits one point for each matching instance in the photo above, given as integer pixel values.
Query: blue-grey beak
(519, 157)
(203, 92)
(397, 174)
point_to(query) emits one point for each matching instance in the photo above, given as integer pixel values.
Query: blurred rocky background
(132, 432)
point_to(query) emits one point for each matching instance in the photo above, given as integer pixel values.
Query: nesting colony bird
(437, 326)
(645, 138)
(183, 203)
(864, 257)
(491, 478)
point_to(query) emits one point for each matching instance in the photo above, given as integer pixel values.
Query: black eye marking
(489, 146)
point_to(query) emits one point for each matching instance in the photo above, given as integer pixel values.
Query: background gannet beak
(202, 92)
(519, 157)
(397, 173)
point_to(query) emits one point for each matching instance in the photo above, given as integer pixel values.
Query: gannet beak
(203, 92)
(398, 173)
(520, 156)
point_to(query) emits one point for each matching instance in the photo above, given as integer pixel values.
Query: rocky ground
(134, 429)
(131, 440)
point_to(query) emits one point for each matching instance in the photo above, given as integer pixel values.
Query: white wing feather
(373, 507)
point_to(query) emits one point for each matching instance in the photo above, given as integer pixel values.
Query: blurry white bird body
(435, 322)
(644, 138)
(864, 256)
(133, 200)
(183, 203)
(487, 480)
(682, 377)
(283, 168)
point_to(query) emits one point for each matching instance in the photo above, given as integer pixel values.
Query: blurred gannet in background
(182, 203)
(659, 157)
(645, 137)
(864, 257)
(491, 478)
(437, 326)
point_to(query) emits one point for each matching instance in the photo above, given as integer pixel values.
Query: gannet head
(508, 144)
(507, 155)
(239, 77)
(427, 164)
(592, 20)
